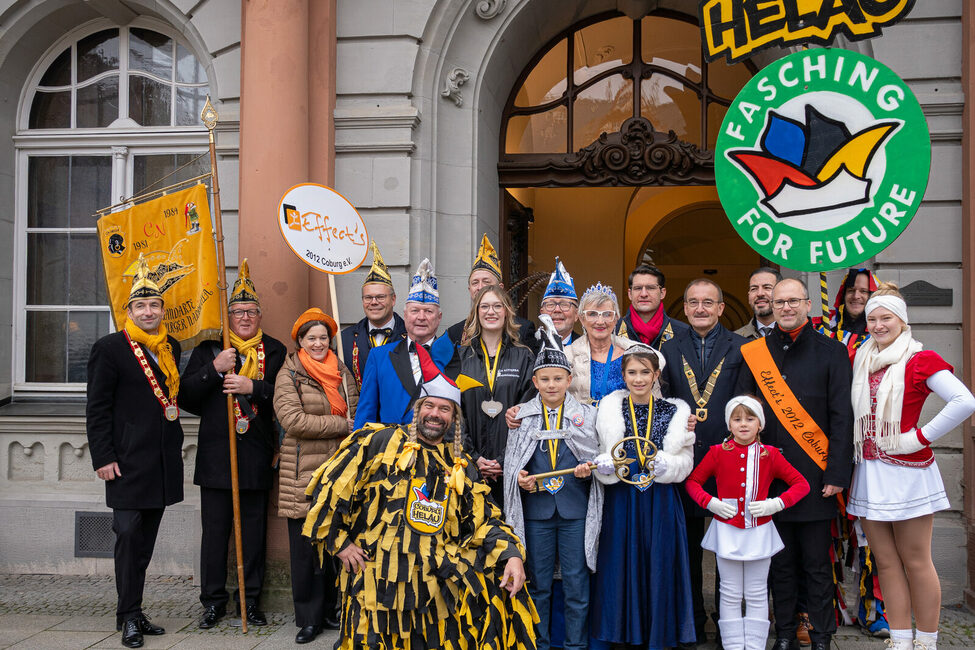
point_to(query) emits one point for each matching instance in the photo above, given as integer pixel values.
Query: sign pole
(209, 117)
(334, 301)
(824, 297)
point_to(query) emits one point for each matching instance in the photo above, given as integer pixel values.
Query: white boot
(732, 633)
(756, 633)
(899, 644)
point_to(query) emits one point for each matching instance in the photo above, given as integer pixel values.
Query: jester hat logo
(811, 167)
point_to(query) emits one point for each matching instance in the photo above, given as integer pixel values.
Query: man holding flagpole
(136, 441)
(247, 371)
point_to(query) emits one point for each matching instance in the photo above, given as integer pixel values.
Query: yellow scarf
(159, 346)
(247, 348)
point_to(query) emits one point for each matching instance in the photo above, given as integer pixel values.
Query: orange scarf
(327, 374)
(158, 344)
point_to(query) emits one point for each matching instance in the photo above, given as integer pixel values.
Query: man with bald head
(803, 380)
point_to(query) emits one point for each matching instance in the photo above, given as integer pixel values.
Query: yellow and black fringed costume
(436, 549)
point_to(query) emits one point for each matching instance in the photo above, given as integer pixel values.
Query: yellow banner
(175, 236)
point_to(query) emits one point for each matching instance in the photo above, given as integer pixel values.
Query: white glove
(766, 508)
(605, 465)
(904, 443)
(659, 467)
(722, 509)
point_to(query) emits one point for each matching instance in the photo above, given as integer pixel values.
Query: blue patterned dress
(641, 592)
(605, 378)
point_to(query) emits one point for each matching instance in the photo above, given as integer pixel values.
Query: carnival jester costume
(435, 543)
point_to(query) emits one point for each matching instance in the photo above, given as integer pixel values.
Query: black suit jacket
(126, 424)
(201, 393)
(817, 370)
(356, 338)
(713, 430)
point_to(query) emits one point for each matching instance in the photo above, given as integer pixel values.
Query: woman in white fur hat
(897, 487)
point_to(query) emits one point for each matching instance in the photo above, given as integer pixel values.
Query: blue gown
(641, 592)
(605, 378)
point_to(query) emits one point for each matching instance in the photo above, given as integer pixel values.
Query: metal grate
(93, 534)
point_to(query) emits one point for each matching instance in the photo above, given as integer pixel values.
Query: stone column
(968, 280)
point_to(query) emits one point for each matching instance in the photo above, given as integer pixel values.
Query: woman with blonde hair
(897, 486)
(316, 412)
(493, 355)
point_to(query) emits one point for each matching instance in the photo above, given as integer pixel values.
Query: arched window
(107, 112)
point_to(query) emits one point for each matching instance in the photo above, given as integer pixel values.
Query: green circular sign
(822, 159)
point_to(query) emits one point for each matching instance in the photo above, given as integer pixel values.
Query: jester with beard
(429, 562)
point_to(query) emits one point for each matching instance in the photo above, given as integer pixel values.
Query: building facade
(439, 120)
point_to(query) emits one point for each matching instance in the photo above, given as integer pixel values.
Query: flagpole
(333, 299)
(209, 117)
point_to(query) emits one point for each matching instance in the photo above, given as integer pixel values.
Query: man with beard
(760, 286)
(847, 323)
(246, 370)
(136, 441)
(427, 557)
(647, 320)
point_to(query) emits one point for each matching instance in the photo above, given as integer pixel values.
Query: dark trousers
(314, 587)
(804, 558)
(695, 533)
(135, 537)
(565, 540)
(217, 515)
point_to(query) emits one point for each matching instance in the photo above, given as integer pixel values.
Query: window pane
(601, 108)
(539, 133)
(188, 69)
(672, 44)
(189, 105)
(47, 268)
(44, 354)
(59, 72)
(546, 82)
(50, 110)
(90, 189)
(726, 80)
(98, 103)
(86, 285)
(47, 191)
(152, 52)
(148, 171)
(671, 106)
(716, 113)
(150, 101)
(84, 328)
(602, 46)
(97, 53)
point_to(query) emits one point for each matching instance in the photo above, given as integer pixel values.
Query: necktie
(764, 331)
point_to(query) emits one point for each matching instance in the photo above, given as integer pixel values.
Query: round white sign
(322, 228)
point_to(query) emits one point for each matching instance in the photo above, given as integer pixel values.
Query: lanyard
(489, 370)
(640, 448)
(553, 443)
(605, 374)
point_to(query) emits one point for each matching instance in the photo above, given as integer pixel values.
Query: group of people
(426, 480)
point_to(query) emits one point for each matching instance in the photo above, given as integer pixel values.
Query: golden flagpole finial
(209, 115)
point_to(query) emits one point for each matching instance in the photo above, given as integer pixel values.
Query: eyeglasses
(637, 288)
(380, 298)
(558, 305)
(240, 313)
(490, 306)
(694, 303)
(596, 315)
(792, 302)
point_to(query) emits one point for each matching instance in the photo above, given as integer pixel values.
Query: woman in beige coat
(316, 413)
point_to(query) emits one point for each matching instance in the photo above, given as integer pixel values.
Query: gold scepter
(621, 463)
(209, 118)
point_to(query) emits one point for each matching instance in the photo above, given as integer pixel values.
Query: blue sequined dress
(604, 378)
(641, 592)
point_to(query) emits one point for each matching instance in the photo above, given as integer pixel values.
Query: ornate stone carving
(455, 79)
(25, 463)
(488, 9)
(119, 153)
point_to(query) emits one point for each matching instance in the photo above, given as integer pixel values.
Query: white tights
(746, 580)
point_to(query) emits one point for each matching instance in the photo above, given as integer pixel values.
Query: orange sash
(784, 403)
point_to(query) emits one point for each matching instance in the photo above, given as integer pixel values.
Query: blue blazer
(388, 389)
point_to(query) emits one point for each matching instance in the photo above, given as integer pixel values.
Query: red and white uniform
(744, 474)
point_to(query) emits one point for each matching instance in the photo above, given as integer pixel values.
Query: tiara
(599, 287)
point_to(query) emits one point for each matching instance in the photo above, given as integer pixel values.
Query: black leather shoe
(820, 645)
(211, 614)
(786, 644)
(131, 634)
(308, 634)
(255, 616)
(330, 623)
(144, 626)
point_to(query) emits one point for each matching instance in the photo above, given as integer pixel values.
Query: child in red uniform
(742, 535)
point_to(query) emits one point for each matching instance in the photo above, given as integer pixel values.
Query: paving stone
(48, 640)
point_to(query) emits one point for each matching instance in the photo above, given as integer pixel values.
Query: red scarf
(647, 332)
(793, 333)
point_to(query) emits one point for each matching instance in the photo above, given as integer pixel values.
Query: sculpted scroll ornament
(488, 9)
(455, 79)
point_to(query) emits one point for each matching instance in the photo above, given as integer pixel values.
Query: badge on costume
(578, 420)
(491, 407)
(553, 484)
(642, 481)
(425, 515)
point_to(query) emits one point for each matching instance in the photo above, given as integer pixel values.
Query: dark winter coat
(356, 345)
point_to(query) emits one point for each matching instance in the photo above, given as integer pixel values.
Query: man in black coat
(646, 320)
(247, 371)
(381, 324)
(136, 442)
(702, 369)
(817, 371)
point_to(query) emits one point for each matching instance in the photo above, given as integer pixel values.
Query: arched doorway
(606, 142)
